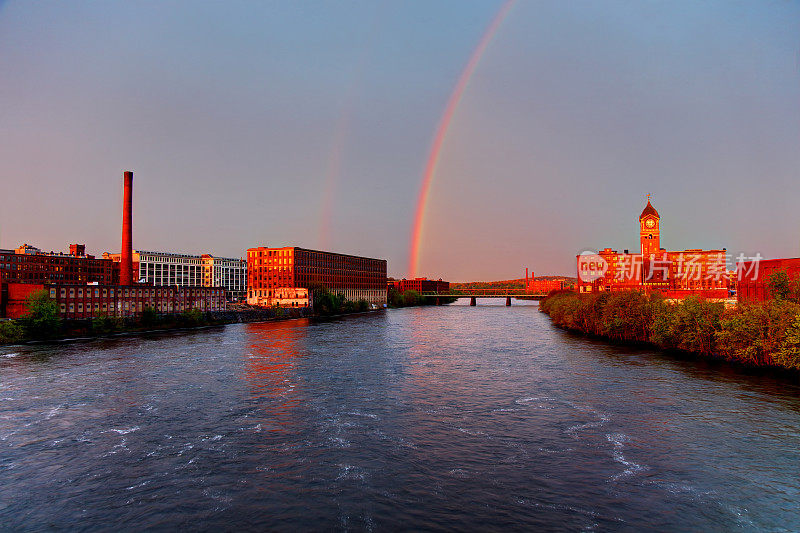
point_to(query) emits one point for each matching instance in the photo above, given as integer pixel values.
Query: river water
(450, 417)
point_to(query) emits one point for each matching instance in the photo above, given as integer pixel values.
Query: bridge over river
(474, 294)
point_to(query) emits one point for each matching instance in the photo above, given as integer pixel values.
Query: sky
(311, 123)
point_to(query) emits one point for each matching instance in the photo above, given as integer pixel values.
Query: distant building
(543, 286)
(92, 301)
(675, 274)
(287, 276)
(28, 264)
(164, 269)
(225, 272)
(420, 285)
(754, 277)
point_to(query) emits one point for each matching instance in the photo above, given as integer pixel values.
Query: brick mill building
(28, 264)
(676, 274)
(754, 276)
(86, 287)
(543, 286)
(286, 276)
(420, 285)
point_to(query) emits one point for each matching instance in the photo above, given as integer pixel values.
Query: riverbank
(756, 335)
(23, 331)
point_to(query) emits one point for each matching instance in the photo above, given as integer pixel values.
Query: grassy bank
(756, 334)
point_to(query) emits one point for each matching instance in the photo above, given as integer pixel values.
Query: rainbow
(441, 133)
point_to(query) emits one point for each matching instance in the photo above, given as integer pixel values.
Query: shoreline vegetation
(42, 322)
(753, 335)
(412, 298)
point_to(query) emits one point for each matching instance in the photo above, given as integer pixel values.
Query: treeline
(509, 284)
(327, 303)
(754, 334)
(411, 298)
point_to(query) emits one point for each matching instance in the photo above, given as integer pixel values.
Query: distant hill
(506, 284)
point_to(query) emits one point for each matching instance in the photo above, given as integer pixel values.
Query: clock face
(649, 222)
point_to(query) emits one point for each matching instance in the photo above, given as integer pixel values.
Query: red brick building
(420, 285)
(676, 274)
(271, 272)
(754, 277)
(543, 286)
(28, 264)
(92, 301)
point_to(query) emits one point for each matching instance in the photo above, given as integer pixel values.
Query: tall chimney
(126, 254)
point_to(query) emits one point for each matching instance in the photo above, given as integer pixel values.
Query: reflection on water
(450, 417)
(273, 350)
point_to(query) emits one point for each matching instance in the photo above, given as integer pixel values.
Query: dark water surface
(430, 418)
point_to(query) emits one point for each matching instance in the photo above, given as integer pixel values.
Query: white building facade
(184, 270)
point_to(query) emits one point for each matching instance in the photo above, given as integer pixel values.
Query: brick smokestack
(126, 254)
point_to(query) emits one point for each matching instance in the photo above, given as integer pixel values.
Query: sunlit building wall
(272, 270)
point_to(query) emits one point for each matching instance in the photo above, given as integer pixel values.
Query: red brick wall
(753, 280)
(18, 293)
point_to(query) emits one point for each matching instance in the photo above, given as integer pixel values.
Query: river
(450, 417)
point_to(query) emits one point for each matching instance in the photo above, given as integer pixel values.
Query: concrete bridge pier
(472, 302)
(508, 301)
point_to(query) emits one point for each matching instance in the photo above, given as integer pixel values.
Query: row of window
(148, 292)
(133, 306)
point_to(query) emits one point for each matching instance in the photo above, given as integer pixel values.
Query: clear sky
(309, 124)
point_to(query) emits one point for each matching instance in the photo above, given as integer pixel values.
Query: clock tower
(649, 232)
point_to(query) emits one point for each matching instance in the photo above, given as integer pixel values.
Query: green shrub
(788, 355)
(691, 325)
(327, 303)
(411, 298)
(10, 332)
(190, 318)
(624, 316)
(149, 317)
(755, 333)
(42, 320)
(104, 325)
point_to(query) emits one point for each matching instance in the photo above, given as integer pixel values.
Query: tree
(779, 285)
(10, 332)
(327, 303)
(149, 317)
(42, 320)
(756, 332)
